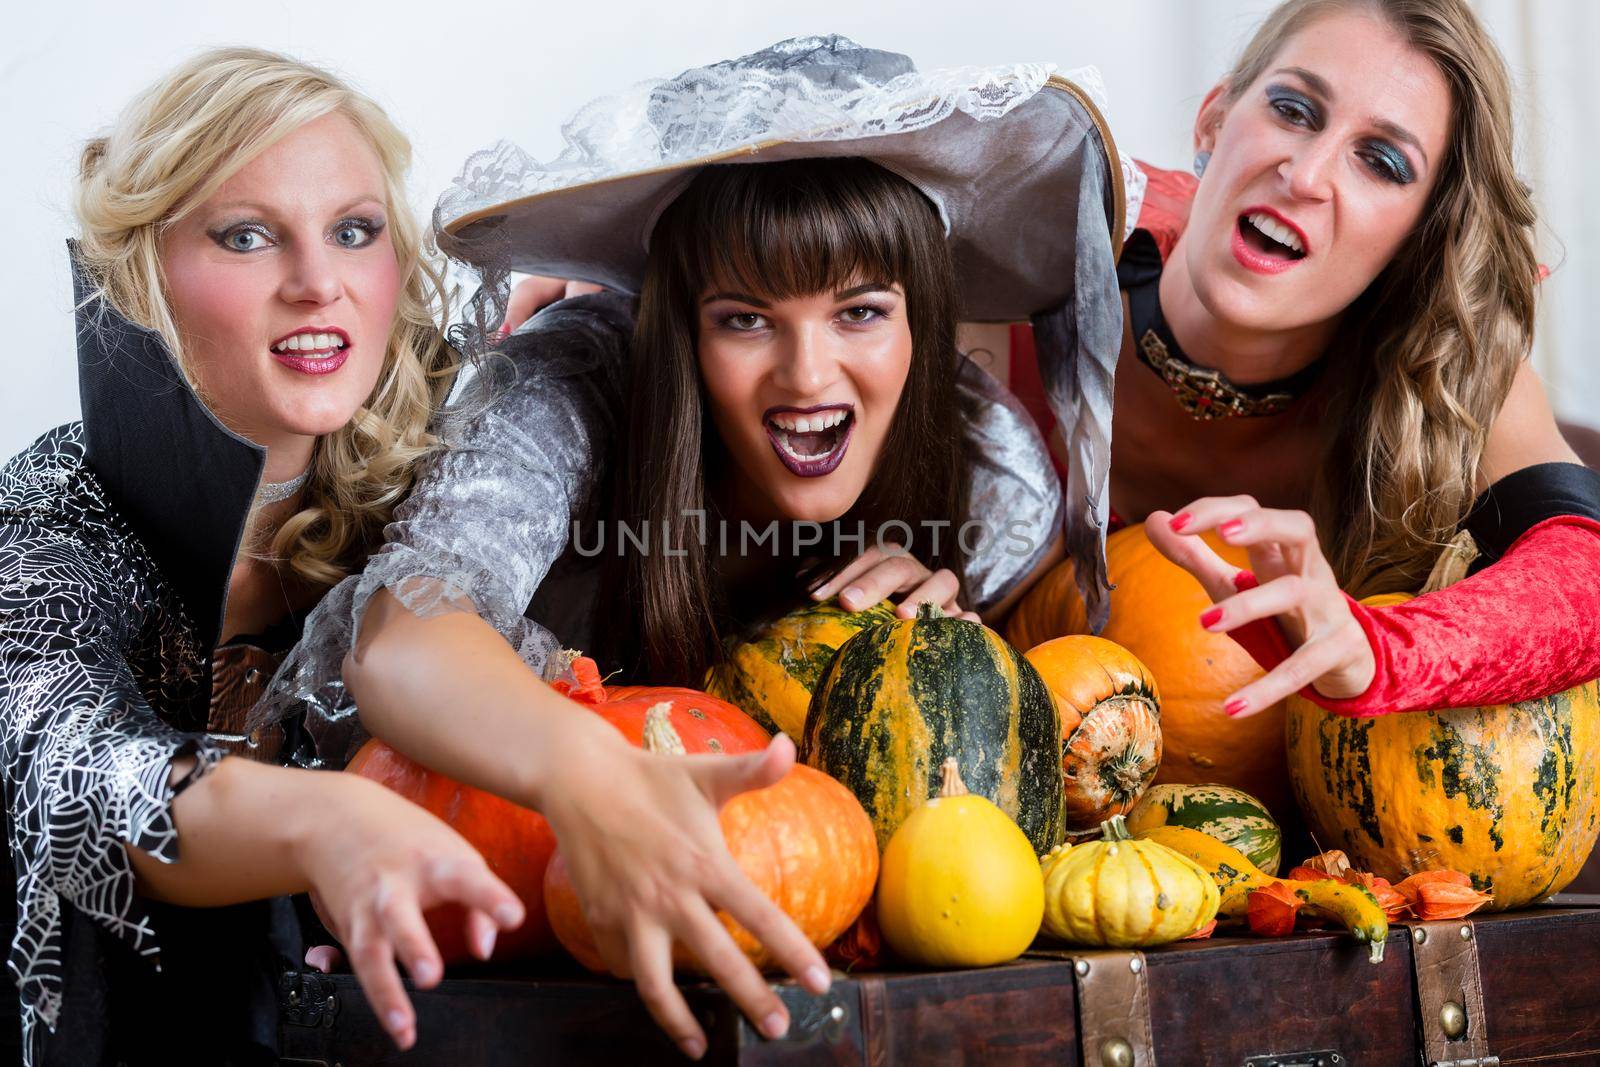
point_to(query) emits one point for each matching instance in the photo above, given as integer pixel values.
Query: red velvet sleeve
(1524, 627)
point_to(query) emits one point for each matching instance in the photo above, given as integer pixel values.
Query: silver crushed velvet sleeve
(490, 513)
(1014, 496)
(90, 638)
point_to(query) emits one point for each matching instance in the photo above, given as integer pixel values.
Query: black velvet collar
(1203, 392)
(181, 479)
(1523, 499)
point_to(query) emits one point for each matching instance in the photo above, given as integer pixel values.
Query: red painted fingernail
(1231, 527)
(1208, 619)
(1179, 521)
(1245, 580)
(1235, 706)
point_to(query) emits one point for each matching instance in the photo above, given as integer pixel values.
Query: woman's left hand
(1290, 581)
(537, 292)
(875, 574)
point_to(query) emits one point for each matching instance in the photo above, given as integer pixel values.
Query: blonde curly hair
(170, 149)
(1435, 341)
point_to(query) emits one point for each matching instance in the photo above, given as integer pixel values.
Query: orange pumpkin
(703, 723)
(805, 842)
(1155, 609)
(1110, 726)
(517, 842)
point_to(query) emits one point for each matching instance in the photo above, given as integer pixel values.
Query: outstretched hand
(375, 866)
(1289, 581)
(650, 866)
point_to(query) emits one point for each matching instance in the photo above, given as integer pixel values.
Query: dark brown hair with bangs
(777, 230)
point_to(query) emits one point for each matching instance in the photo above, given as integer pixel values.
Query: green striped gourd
(902, 697)
(1230, 815)
(771, 676)
(1508, 795)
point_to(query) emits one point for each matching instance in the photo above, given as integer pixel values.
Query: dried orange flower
(1271, 910)
(1446, 900)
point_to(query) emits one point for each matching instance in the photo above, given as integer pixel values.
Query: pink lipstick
(313, 349)
(1266, 242)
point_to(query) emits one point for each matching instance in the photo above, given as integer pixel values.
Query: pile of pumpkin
(899, 711)
(972, 795)
(1507, 795)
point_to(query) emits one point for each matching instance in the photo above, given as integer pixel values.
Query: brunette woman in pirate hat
(786, 242)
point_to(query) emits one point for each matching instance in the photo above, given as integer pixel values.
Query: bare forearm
(239, 831)
(451, 693)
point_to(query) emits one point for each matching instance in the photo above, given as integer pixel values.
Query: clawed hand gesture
(1289, 581)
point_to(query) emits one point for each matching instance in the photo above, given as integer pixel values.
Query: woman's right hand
(375, 862)
(642, 839)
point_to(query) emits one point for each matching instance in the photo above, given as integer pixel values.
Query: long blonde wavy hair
(170, 149)
(1430, 349)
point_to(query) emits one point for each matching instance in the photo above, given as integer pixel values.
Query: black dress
(117, 536)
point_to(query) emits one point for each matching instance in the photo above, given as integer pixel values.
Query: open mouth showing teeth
(811, 444)
(1270, 237)
(310, 344)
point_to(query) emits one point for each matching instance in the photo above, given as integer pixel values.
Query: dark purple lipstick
(810, 441)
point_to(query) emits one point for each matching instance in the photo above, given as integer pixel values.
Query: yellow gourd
(960, 883)
(1236, 878)
(1122, 893)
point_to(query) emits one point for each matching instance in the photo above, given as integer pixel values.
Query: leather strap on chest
(239, 676)
(1444, 961)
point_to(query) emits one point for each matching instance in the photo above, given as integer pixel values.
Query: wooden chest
(1311, 1000)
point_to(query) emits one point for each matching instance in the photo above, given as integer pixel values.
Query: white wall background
(457, 75)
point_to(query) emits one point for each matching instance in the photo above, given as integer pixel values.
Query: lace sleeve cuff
(311, 677)
(487, 517)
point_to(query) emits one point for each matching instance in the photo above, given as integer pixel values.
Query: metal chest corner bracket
(307, 1008)
(306, 999)
(1444, 962)
(1113, 1009)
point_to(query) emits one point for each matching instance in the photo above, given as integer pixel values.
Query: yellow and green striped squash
(1230, 815)
(771, 676)
(900, 698)
(1506, 795)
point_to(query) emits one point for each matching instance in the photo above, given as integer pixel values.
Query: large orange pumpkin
(1110, 726)
(805, 842)
(1155, 611)
(517, 842)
